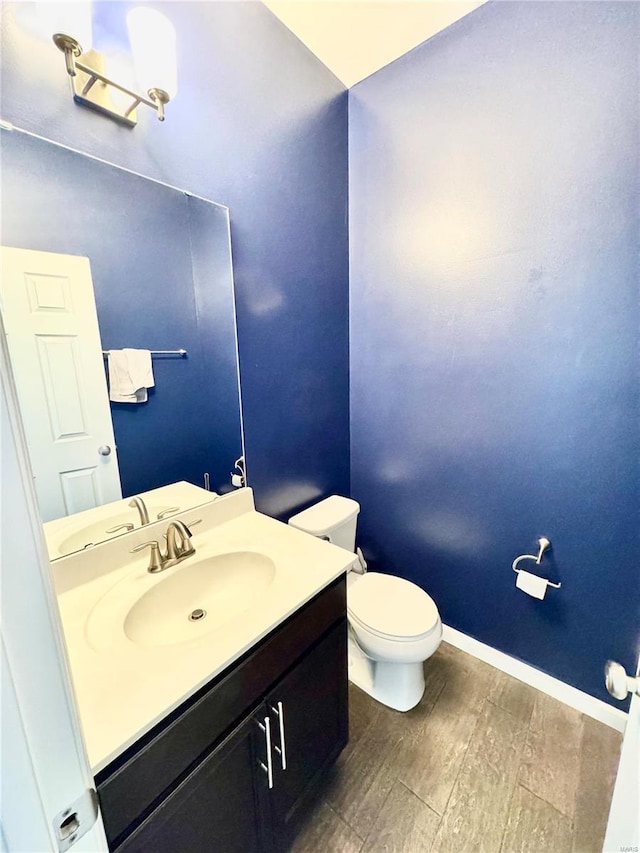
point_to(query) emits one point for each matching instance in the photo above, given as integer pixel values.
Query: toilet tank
(334, 518)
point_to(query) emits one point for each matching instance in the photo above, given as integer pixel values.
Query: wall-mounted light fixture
(152, 39)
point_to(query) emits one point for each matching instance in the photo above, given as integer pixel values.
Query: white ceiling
(354, 38)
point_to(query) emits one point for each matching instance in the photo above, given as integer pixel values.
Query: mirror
(162, 278)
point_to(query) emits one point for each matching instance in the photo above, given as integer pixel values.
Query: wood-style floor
(484, 763)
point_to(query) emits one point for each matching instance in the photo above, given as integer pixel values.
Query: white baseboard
(574, 698)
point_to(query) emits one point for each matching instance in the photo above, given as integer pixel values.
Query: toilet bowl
(394, 626)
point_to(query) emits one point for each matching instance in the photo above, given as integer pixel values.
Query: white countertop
(122, 688)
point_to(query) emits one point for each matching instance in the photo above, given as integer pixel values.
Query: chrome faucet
(179, 547)
(139, 504)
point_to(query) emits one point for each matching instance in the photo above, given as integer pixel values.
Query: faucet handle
(187, 546)
(128, 526)
(167, 511)
(155, 560)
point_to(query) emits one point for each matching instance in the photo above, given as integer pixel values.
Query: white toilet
(394, 625)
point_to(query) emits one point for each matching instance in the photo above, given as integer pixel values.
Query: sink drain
(197, 614)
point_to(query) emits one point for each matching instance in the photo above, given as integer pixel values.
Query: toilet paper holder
(543, 544)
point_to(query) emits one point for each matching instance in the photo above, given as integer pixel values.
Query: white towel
(140, 369)
(130, 374)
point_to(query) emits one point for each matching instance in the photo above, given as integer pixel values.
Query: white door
(50, 320)
(44, 769)
(623, 828)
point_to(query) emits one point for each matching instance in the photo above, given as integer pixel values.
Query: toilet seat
(357, 624)
(392, 608)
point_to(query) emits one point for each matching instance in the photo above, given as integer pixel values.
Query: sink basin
(196, 597)
(97, 530)
(199, 598)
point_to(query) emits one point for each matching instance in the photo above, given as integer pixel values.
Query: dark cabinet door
(309, 725)
(221, 807)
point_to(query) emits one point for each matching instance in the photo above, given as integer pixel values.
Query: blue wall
(493, 182)
(494, 319)
(259, 125)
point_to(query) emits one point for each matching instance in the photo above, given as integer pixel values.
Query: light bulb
(153, 42)
(70, 19)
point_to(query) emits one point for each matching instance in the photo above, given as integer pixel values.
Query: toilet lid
(391, 605)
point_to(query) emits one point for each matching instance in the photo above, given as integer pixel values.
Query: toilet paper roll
(531, 584)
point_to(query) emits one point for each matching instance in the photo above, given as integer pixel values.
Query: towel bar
(181, 352)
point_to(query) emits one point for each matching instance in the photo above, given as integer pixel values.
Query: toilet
(394, 626)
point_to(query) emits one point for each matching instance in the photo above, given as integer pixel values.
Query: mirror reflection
(158, 262)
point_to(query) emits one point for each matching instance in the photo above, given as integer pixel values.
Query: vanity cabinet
(230, 769)
(220, 806)
(310, 703)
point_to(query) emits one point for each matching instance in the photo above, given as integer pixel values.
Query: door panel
(43, 756)
(314, 708)
(220, 807)
(51, 325)
(623, 828)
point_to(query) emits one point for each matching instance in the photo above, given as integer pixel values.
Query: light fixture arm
(95, 75)
(71, 48)
(159, 98)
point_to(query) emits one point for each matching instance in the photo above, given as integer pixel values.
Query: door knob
(104, 450)
(618, 682)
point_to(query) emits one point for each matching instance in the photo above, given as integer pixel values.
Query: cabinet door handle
(268, 767)
(281, 750)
